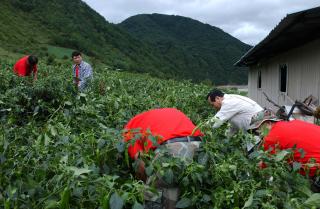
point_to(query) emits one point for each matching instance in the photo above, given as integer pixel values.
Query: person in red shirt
(172, 129)
(289, 134)
(26, 66)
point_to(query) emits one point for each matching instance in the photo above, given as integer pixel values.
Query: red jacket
(165, 123)
(22, 68)
(284, 135)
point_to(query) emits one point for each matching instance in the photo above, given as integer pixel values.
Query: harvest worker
(173, 131)
(26, 66)
(295, 134)
(82, 71)
(236, 109)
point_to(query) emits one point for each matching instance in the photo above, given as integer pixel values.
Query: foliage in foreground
(62, 149)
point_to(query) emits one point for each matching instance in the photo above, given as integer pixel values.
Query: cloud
(248, 20)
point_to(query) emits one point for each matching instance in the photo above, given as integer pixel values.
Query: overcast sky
(248, 20)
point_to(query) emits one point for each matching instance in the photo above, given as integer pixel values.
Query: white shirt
(238, 110)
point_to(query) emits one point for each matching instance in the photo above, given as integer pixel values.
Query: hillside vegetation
(36, 25)
(182, 48)
(62, 149)
(197, 50)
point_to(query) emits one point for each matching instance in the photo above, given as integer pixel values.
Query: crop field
(63, 149)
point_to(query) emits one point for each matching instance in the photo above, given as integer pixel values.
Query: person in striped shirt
(82, 72)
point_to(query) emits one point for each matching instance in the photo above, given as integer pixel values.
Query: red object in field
(77, 74)
(164, 124)
(302, 135)
(22, 68)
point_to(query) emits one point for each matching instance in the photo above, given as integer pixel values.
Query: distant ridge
(197, 50)
(161, 45)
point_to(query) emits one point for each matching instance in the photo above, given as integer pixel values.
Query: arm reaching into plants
(217, 122)
(140, 169)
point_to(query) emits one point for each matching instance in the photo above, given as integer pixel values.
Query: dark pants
(315, 185)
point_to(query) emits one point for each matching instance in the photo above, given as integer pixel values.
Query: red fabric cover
(287, 134)
(164, 123)
(21, 67)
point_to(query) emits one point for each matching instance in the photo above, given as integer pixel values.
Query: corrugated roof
(293, 31)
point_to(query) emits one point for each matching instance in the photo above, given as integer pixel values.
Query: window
(283, 71)
(259, 79)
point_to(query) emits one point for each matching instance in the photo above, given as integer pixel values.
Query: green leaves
(77, 159)
(137, 206)
(248, 203)
(168, 176)
(183, 203)
(296, 166)
(149, 170)
(281, 155)
(120, 146)
(116, 201)
(7, 204)
(65, 198)
(313, 201)
(68, 103)
(51, 204)
(47, 140)
(105, 201)
(53, 131)
(79, 171)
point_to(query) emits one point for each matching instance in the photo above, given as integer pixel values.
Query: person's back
(303, 135)
(238, 110)
(26, 66)
(174, 133)
(166, 123)
(244, 104)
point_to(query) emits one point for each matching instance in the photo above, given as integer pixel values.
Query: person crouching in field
(295, 134)
(236, 109)
(173, 131)
(26, 66)
(82, 72)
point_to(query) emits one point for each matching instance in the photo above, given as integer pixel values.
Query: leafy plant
(63, 149)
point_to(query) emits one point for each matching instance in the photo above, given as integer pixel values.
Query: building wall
(303, 76)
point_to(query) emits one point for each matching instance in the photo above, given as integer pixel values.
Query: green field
(62, 149)
(60, 52)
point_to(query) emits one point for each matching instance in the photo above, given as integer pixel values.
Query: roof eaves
(281, 26)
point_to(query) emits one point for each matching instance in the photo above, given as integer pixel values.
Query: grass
(4, 54)
(59, 52)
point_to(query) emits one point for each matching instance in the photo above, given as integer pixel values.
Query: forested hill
(29, 26)
(164, 46)
(199, 49)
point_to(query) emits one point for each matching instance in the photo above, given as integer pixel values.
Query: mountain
(34, 25)
(161, 45)
(198, 50)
